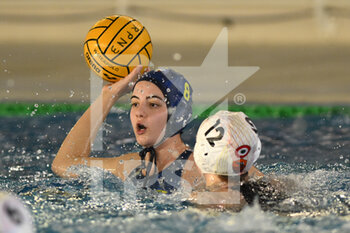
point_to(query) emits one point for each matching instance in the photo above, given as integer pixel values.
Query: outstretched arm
(76, 147)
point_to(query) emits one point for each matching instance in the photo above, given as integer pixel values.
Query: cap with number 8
(227, 143)
(178, 94)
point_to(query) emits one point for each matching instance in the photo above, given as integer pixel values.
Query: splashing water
(310, 155)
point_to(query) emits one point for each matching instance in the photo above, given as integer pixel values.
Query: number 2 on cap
(221, 131)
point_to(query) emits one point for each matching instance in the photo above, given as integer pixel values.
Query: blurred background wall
(302, 46)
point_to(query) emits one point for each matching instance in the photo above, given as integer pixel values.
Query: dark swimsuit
(166, 181)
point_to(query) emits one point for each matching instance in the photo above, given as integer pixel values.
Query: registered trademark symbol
(239, 99)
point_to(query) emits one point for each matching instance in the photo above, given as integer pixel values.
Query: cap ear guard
(227, 144)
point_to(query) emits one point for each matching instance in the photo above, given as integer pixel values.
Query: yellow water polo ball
(115, 45)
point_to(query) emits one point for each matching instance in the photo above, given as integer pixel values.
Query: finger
(135, 72)
(133, 76)
(126, 84)
(147, 69)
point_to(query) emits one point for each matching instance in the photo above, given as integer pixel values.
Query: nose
(140, 111)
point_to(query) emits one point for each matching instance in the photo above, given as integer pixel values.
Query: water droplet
(179, 119)
(131, 84)
(177, 56)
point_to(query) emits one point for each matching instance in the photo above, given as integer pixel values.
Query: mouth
(140, 129)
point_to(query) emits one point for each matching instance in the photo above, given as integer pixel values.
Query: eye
(134, 104)
(242, 151)
(155, 103)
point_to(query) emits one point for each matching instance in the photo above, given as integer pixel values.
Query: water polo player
(227, 146)
(160, 108)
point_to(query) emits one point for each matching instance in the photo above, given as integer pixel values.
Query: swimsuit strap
(185, 155)
(180, 162)
(166, 182)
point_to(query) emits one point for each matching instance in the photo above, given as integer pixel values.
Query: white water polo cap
(14, 216)
(227, 143)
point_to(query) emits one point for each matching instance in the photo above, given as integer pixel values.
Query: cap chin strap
(152, 158)
(151, 149)
(163, 136)
(160, 139)
(150, 163)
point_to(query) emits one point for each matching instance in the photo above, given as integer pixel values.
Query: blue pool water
(309, 154)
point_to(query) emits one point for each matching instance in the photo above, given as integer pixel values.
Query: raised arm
(76, 147)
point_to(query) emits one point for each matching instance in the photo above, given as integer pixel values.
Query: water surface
(310, 154)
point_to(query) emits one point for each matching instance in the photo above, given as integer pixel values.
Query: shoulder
(193, 174)
(130, 156)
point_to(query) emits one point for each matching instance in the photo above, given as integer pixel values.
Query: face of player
(148, 113)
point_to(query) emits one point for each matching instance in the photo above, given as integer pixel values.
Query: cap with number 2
(227, 143)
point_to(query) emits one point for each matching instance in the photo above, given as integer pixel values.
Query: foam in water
(312, 161)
